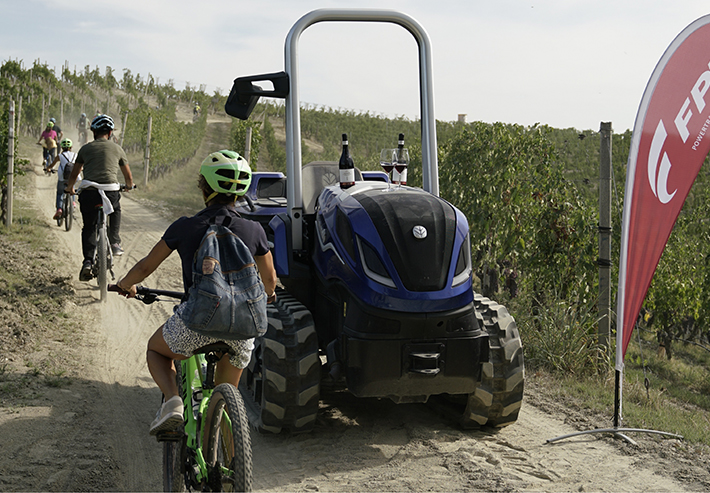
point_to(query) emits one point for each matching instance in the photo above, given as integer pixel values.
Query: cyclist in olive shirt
(100, 161)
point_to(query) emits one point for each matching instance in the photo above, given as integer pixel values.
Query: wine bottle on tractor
(399, 176)
(346, 166)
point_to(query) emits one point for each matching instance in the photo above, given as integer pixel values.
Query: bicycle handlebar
(148, 295)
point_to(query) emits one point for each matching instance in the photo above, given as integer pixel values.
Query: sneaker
(169, 417)
(85, 274)
(117, 250)
(57, 214)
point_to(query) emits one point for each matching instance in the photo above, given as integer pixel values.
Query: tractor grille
(422, 264)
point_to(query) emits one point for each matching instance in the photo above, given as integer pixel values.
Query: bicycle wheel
(102, 254)
(68, 211)
(174, 455)
(228, 448)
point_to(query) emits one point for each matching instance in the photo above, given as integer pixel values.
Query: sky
(563, 63)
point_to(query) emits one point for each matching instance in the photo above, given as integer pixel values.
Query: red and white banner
(670, 140)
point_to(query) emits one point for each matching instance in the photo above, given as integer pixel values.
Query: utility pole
(604, 260)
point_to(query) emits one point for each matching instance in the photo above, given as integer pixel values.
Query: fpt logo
(689, 117)
(658, 175)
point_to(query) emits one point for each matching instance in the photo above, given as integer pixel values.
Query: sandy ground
(92, 435)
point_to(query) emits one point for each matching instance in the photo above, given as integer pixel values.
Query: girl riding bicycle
(66, 163)
(48, 141)
(224, 177)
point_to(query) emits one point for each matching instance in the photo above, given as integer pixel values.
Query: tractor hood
(417, 229)
(405, 248)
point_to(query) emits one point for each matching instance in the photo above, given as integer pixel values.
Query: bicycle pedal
(169, 436)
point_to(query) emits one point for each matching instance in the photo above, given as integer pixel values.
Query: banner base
(617, 432)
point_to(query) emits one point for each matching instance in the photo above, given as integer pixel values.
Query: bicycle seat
(216, 347)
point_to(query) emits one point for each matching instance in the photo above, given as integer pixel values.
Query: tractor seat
(317, 175)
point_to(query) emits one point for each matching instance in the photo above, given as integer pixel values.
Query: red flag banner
(670, 140)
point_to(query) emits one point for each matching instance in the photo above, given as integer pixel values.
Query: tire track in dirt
(125, 398)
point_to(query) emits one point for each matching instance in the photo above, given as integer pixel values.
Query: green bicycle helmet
(66, 143)
(226, 172)
(50, 125)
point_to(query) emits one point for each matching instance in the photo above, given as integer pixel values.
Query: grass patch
(560, 343)
(668, 395)
(33, 291)
(671, 395)
(57, 380)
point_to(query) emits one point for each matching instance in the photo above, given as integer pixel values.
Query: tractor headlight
(463, 264)
(372, 264)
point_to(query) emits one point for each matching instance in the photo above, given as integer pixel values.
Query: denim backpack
(227, 299)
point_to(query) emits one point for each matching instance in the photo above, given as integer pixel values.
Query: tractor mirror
(245, 94)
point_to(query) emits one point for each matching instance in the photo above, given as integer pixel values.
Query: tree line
(40, 93)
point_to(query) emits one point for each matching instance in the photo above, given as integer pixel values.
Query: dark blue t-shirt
(185, 236)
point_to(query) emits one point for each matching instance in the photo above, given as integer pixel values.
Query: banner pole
(617, 399)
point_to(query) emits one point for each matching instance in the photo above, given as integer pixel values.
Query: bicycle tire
(174, 454)
(228, 446)
(68, 211)
(102, 254)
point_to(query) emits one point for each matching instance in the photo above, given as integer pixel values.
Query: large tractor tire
(497, 400)
(281, 388)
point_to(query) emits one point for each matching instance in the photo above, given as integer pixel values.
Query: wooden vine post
(19, 118)
(10, 162)
(605, 236)
(123, 127)
(146, 167)
(247, 145)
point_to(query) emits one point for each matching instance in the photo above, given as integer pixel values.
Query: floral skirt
(182, 340)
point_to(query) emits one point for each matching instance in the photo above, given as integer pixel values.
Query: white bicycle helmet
(102, 122)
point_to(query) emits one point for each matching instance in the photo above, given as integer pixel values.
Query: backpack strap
(66, 159)
(223, 217)
(221, 220)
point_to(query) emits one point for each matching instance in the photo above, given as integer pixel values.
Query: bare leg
(226, 373)
(160, 364)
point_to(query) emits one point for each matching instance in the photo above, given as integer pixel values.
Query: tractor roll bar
(430, 175)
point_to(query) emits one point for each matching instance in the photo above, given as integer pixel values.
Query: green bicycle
(213, 451)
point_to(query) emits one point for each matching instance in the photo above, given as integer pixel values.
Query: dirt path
(92, 435)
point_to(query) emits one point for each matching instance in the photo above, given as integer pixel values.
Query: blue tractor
(377, 286)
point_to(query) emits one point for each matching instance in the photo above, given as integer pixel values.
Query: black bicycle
(103, 255)
(213, 450)
(67, 216)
